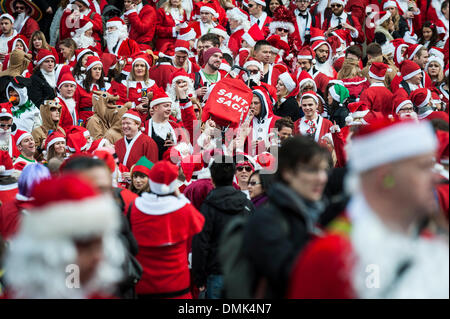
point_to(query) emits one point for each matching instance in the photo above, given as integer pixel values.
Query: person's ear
(287, 175)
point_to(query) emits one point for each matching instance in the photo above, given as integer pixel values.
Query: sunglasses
(247, 169)
(19, 8)
(251, 5)
(6, 125)
(336, 5)
(196, 110)
(253, 183)
(282, 30)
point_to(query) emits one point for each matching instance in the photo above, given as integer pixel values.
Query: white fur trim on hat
(400, 141)
(225, 67)
(181, 49)
(437, 59)
(342, 2)
(67, 82)
(181, 77)
(86, 27)
(45, 58)
(248, 39)
(308, 80)
(162, 189)
(334, 95)
(64, 219)
(24, 135)
(410, 75)
(426, 101)
(281, 24)
(94, 64)
(236, 14)
(142, 60)
(260, 2)
(383, 18)
(254, 63)
(389, 4)
(420, 46)
(219, 32)
(187, 36)
(402, 104)
(376, 77)
(116, 24)
(55, 140)
(4, 113)
(209, 10)
(314, 97)
(7, 16)
(160, 100)
(287, 81)
(132, 116)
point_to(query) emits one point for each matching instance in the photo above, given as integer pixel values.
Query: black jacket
(276, 233)
(40, 89)
(289, 108)
(219, 207)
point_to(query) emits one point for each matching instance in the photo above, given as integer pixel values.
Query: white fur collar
(151, 204)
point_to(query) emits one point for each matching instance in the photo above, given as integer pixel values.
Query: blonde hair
(167, 5)
(132, 77)
(350, 69)
(41, 36)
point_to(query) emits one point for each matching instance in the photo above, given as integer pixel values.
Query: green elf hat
(339, 93)
(143, 166)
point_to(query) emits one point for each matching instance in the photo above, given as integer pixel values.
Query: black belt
(85, 109)
(164, 294)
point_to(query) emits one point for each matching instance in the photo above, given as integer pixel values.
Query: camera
(339, 26)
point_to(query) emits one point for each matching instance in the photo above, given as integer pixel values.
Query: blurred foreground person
(67, 245)
(386, 254)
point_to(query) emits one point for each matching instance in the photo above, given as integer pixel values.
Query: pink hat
(210, 52)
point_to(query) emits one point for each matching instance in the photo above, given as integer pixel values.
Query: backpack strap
(406, 87)
(197, 80)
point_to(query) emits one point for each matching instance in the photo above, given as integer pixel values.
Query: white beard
(4, 139)
(50, 78)
(111, 39)
(255, 77)
(326, 68)
(18, 22)
(84, 42)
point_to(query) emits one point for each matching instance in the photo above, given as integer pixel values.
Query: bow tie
(304, 16)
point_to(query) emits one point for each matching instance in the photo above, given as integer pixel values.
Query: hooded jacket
(40, 133)
(26, 114)
(18, 63)
(219, 207)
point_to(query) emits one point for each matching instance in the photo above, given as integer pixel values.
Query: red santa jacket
(165, 28)
(66, 28)
(319, 128)
(235, 40)
(126, 48)
(431, 115)
(131, 91)
(397, 80)
(197, 26)
(163, 228)
(353, 21)
(264, 22)
(8, 193)
(11, 215)
(378, 98)
(29, 27)
(161, 73)
(67, 119)
(141, 145)
(83, 100)
(142, 25)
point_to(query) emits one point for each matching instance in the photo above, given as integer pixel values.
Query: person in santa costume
(8, 179)
(94, 81)
(435, 67)
(377, 96)
(43, 78)
(258, 16)
(287, 90)
(324, 58)
(248, 41)
(117, 41)
(384, 256)
(421, 98)
(134, 144)
(66, 91)
(73, 17)
(179, 78)
(306, 59)
(312, 124)
(239, 24)
(55, 147)
(16, 43)
(6, 124)
(171, 18)
(11, 212)
(8, 32)
(25, 13)
(255, 69)
(181, 57)
(141, 19)
(84, 38)
(444, 90)
(51, 115)
(26, 114)
(163, 250)
(140, 175)
(70, 220)
(410, 79)
(305, 20)
(79, 70)
(374, 53)
(27, 147)
(208, 13)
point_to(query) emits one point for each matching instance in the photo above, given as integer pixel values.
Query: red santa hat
(382, 17)
(132, 114)
(399, 140)
(318, 44)
(53, 138)
(115, 22)
(187, 34)
(266, 161)
(77, 129)
(443, 149)
(79, 53)
(190, 164)
(412, 50)
(210, 8)
(85, 24)
(254, 62)
(400, 101)
(85, 2)
(344, 37)
(260, 2)
(341, 2)
(421, 97)
(238, 14)
(69, 206)
(253, 35)
(306, 53)
(311, 94)
(398, 56)
(224, 67)
(357, 110)
(43, 55)
(305, 77)
(20, 135)
(282, 18)
(13, 41)
(378, 70)
(76, 142)
(159, 96)
(409, 69)
(392, 4)
(220, 30)
(181, 45)
(93, 61)
(106, 155)
(6, 164)
(7, 16)
(317, 34)
(289, 81)
(179, 74)
(143, 57)
(5, 109)
(66, 78)
(279, 46)
(163, 178)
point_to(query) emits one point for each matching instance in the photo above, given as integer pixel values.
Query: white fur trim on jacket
(162, 189)
(151, 204)
(281, 24)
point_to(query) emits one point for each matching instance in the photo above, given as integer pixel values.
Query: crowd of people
(224, 149)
